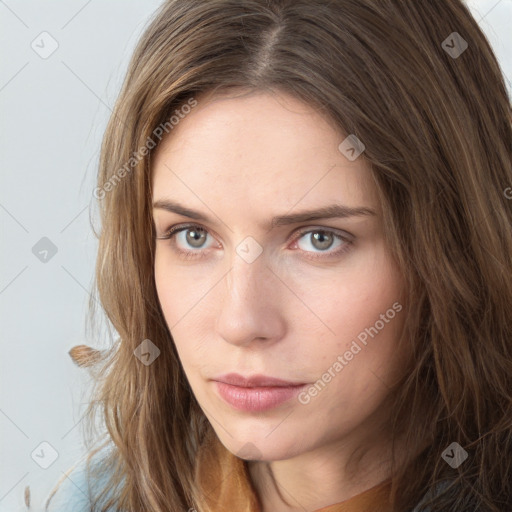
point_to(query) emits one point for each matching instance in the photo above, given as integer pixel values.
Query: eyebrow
(326, 212)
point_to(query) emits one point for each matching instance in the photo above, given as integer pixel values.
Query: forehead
(258, 149)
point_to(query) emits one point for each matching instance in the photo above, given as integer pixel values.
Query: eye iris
(321, 237)
(197, 237)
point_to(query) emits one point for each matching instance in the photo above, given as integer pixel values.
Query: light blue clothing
(74, 492)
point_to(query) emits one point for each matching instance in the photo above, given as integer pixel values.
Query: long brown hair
(435, 119)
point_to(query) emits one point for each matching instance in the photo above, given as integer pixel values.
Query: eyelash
(171, 233)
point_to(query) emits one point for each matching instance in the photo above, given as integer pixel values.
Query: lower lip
(256, 399)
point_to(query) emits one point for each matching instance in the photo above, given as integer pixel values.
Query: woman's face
(312, 300)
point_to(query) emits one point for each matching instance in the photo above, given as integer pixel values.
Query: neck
(321, 477)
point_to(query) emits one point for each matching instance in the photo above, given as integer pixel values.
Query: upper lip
(254, 381)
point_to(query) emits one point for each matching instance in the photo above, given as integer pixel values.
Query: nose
(250, 309)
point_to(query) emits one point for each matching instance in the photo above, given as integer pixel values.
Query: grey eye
(321, 240)
(195, 237)
(318, 240)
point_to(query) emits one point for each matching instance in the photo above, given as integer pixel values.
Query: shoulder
(74, 489)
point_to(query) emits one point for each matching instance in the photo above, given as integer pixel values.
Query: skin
(241, 160)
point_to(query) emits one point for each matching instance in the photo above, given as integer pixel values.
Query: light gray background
(54, 111)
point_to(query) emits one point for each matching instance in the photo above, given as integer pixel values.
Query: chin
(256, 443)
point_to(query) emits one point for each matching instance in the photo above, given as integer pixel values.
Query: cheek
(182, 301)
(354, 369)
(356, 304)
(165, 283)
(178, 288)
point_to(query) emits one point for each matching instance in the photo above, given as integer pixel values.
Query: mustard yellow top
(225, 482)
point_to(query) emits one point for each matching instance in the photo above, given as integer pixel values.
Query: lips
(255, 393)
(255, 381)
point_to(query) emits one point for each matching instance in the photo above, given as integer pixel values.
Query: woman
(306, 252)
